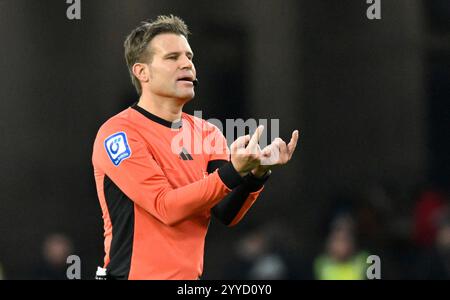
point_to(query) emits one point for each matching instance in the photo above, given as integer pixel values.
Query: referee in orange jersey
(156, 201)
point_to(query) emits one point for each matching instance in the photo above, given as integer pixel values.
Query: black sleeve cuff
(215, 164)
(230, 176)
(254, 183)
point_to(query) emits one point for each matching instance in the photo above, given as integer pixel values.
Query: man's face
(171, 70)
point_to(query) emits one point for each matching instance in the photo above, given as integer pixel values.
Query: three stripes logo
(184, 155)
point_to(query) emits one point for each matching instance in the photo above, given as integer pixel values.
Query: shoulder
(115, 138)
(121, 122)
(212, 125)
(117, 130)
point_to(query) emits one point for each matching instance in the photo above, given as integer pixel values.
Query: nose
(186, 63)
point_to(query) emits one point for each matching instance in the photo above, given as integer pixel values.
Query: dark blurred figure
(432, 234)
(435, 261)
(56, 248)
(263, 254)
(384, 226)
(341, 259)
(430, 205)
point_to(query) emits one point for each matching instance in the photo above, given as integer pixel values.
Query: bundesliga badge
(117, 147)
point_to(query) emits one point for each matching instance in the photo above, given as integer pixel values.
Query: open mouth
(186, 79)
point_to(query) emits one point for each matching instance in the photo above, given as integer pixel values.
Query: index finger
(292, 143)
(255, 137)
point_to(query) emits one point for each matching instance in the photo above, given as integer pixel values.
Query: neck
(169, 109)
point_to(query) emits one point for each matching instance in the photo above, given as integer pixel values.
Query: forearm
(233, 207)
(175, 205)
(150, 190)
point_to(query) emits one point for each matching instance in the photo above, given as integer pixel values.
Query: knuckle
(252, 156)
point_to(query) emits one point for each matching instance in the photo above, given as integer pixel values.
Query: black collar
(154, 118)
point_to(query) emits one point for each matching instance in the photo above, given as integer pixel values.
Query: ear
(141, 71)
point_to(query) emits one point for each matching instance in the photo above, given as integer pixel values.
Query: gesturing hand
(246, 157)
(275, 154)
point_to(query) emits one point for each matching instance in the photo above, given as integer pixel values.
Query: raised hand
(276, 154)
(246, 153)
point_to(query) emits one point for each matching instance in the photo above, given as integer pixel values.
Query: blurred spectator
(258, 256)
(435, 262)
(56, 248)
(341, 260)
(430, 206)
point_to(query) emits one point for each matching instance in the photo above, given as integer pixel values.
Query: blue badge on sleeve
(117, 147)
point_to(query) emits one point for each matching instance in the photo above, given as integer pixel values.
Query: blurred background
(370, 97)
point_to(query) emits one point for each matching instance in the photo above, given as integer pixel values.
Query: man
(157, 202)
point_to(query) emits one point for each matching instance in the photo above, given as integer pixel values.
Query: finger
(266, 151)
(255, 138)
(292, 143)
(266, 154)
(271, 153)
(284, 155)
(275, 151)
(240, 142)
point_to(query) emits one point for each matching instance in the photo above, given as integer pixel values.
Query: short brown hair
(137, 41)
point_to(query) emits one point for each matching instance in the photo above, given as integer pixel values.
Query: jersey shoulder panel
(114, 136)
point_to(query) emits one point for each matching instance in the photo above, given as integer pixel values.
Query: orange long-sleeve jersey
(156, 201)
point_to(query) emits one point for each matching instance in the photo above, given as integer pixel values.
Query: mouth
(186, 79)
